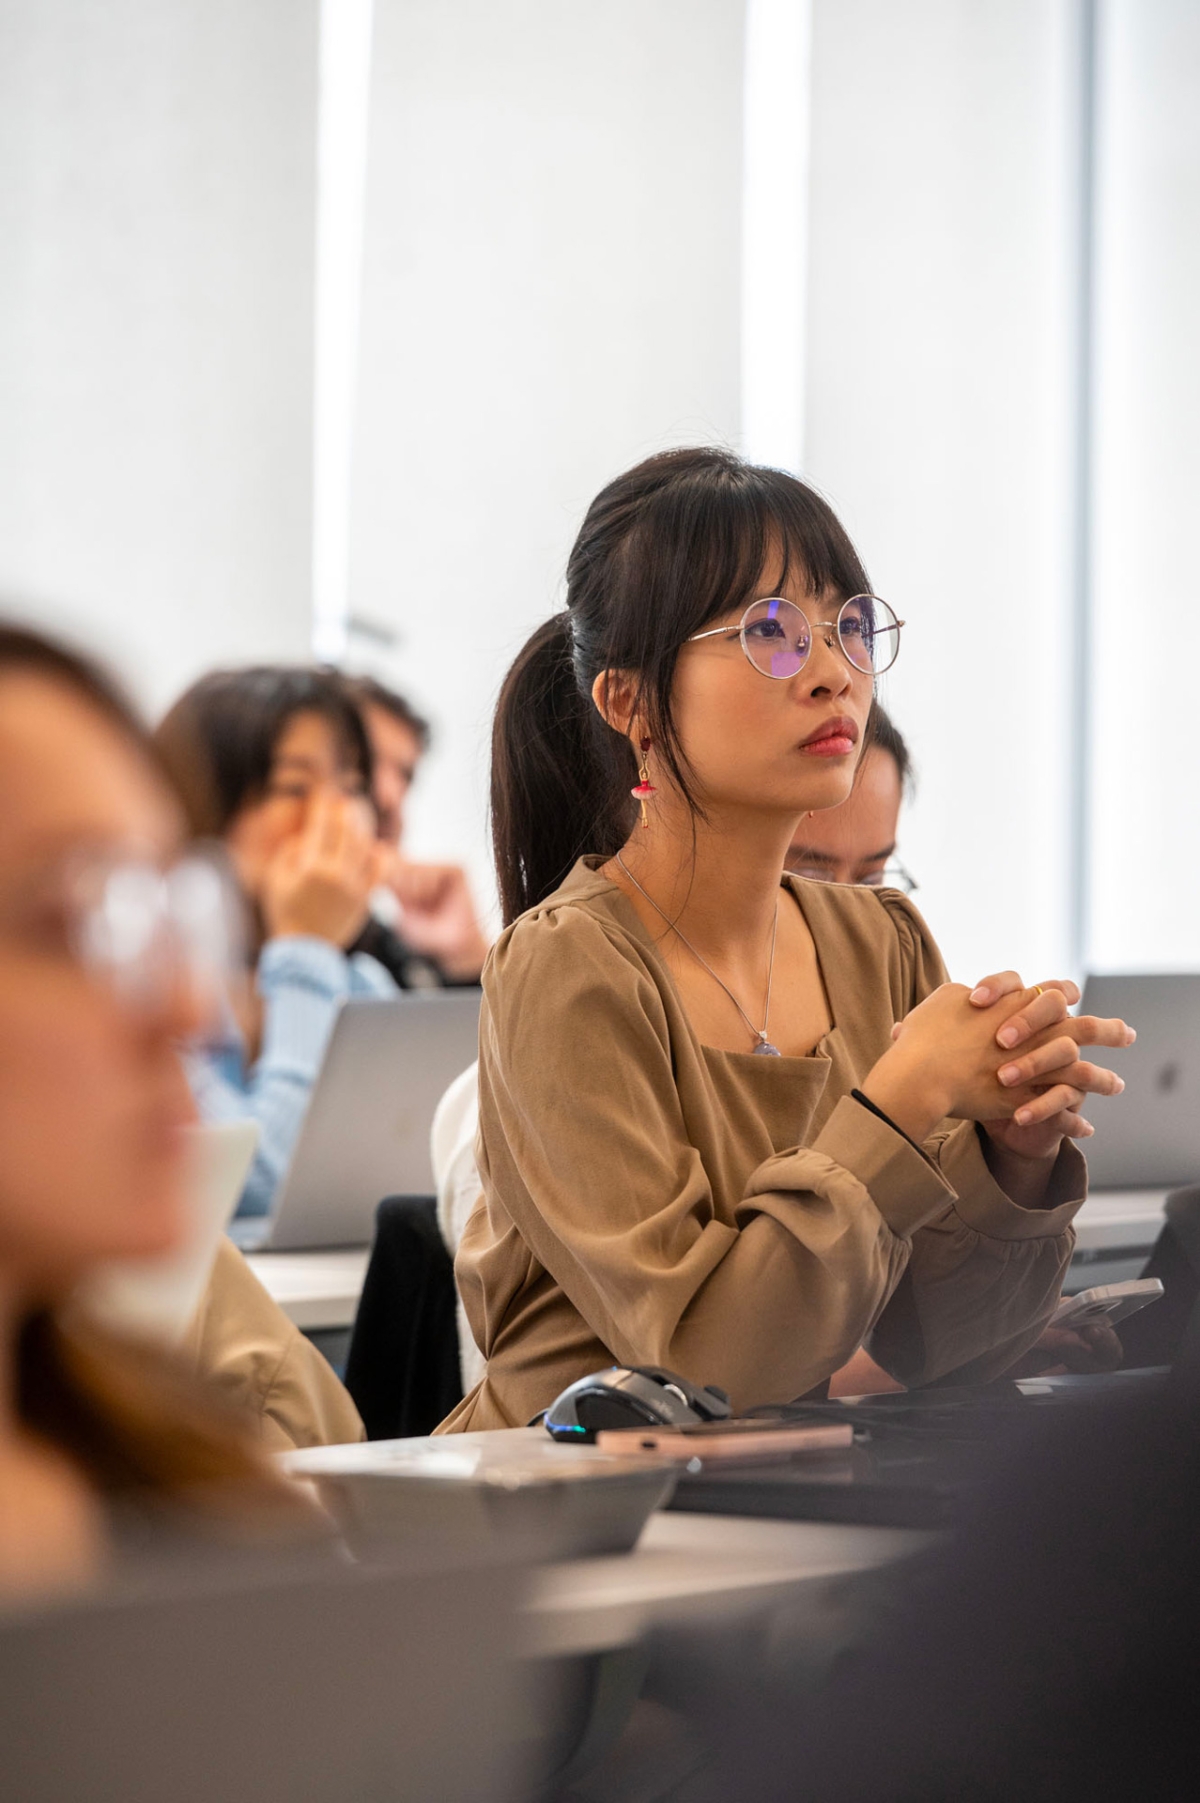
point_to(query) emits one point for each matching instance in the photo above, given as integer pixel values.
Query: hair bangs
(807, 540)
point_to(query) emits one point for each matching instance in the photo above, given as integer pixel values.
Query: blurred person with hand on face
(424, 928)
(275, 764)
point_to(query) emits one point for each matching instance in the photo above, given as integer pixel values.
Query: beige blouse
(241, 1341)
(743, 1220)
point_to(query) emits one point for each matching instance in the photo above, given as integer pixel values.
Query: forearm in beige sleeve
(983, 1279)
(776, 1304)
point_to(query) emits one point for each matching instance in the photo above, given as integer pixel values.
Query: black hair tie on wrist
(887, 1120)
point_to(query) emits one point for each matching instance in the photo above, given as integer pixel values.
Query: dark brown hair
(884, 735)
(140, 1427)
(369, 691)
(135, 1425)
(664, 550)
(23, 649)
(219, 738)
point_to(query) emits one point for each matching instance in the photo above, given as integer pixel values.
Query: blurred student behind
(101, 972)
(428, 933)
(275, 763)
(856, 841)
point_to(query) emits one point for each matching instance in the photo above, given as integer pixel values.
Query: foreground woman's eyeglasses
(777, 636)
(135, 926)
(140, 928)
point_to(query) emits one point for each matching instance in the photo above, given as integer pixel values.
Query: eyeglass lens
(777, 637)
(135, 925)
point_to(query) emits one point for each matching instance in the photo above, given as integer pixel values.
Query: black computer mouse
(646, 1396)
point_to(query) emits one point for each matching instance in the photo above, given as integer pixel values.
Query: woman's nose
(189, 1003)
(826, 671)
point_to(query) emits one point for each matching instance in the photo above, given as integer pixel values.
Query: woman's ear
(614, 693)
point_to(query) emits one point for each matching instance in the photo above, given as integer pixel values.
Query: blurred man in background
(435, 937)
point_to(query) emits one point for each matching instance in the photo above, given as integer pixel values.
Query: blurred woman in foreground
(96, 989)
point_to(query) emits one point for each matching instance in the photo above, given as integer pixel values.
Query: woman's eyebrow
(294, 760)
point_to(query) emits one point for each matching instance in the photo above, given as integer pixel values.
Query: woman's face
(308, 755)
(772, 746)
(93, 1099)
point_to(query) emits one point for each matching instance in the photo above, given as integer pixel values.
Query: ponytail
(560, 776)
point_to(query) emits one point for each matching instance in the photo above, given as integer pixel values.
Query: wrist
(905, 1095)
(283, 928)
(285, 923)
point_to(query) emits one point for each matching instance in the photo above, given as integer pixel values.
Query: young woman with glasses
(109, 950)
(730, 1124)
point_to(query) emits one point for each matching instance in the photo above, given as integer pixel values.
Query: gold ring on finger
(1038, 989)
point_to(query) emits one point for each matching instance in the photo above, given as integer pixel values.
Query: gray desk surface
(320, 1289)
(684, 1567)
(317, 1289)
(697, 1567)
(1117, 1218)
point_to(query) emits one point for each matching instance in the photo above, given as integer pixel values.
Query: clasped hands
(1001, 1054)
(1043, 1073)
(1008, 1058)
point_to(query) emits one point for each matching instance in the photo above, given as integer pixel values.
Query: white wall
(1145, 763)
(941, 297)
(156, 244)
(551, 290)
(556, 239)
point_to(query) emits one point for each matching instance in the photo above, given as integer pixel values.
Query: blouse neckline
(818, 1059)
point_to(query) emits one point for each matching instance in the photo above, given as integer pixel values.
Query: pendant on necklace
(765, 1047)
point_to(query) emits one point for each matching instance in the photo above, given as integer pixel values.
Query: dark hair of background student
(884, 735)
(135, 1426)
(368, 691)
(218, 740)
(664, 550)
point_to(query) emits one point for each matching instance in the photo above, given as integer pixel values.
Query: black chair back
(402, 1368)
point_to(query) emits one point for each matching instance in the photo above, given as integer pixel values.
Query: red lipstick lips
(834, 738)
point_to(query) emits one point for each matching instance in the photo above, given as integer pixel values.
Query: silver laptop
(1148, 1138)
(365, 1134)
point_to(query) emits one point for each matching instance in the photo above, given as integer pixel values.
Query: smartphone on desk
(1108, 1303)
(727, 1441)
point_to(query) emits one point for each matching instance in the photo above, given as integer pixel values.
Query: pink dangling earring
(645, 788)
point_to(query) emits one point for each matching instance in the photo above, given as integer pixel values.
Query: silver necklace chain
(760, 1033)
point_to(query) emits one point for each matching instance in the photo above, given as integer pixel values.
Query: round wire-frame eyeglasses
(776, 635)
